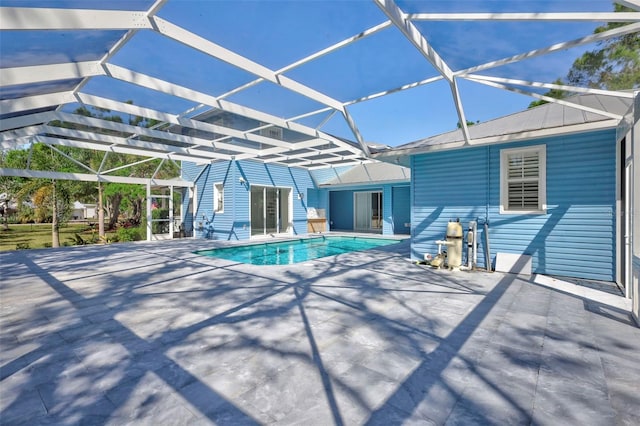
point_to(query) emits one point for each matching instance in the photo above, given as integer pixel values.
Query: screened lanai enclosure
(289, 87)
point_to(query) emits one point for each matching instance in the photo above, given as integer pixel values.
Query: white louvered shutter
(523, 181)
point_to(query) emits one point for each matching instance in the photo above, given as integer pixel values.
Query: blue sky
(276, 33)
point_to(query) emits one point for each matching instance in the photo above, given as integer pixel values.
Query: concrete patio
(149, 333)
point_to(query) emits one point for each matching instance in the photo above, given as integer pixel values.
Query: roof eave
(494, 140)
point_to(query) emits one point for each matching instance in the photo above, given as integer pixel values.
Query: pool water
(289, 252)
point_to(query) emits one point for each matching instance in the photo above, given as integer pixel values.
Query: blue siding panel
(576, 237)
(234, 223)
(341, 210)
(401, 208)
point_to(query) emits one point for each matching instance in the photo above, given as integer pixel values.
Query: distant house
(83, 211)
(545, 180)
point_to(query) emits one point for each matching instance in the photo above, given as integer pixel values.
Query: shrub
(129, 234)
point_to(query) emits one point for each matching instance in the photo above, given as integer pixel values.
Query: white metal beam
(194, 41)
(101, 139)
(559, 16)
(593, 38)
(21, 132)
(334, 47)
(397, 89)
(400, 20)
(26, 120)
(93, 178)
(149, 82)
(549, 99)
(73, 160)
(50, 72)
(128, 149)
(35, 102)
(183, 121)
(40, 18)
(631, 4)
(455, 93)
(352, 125)
(130, 129)
(575, 89)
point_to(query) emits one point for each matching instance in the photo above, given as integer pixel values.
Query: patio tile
(132, 334)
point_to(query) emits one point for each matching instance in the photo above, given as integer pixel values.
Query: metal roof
(371, 173)
(287, 82)
(541, 121)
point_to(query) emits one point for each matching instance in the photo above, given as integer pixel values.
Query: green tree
(613, 65)
(553, 93)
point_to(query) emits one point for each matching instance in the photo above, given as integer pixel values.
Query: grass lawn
(39, 235)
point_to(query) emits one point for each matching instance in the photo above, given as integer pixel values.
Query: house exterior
(554, 183)
(83, 211)
(546, 181)
(372, 197)
(240, 200)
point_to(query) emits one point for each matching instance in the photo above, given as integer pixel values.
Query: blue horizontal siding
(235, 223)
(576, 237)
(401, 205)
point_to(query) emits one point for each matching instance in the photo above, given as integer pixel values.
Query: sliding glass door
(367, 211)
(270, 210)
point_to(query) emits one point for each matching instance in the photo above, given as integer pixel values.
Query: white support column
(171, 227)
(149, 216)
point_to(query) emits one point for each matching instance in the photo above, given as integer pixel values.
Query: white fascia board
(119, 149)
(194, 41)
(400, 20)
(85, 177)
(37, 18)
(593, 38)
(51, 72)
(550, 99)
(615, 93)
(27, 120)
(37, 101)
(494, 140)
(135, 143)
(558, 16)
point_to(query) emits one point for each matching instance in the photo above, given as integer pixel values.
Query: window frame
(541, 150)
(218, 190)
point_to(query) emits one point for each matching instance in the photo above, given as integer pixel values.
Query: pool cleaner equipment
(453, 242)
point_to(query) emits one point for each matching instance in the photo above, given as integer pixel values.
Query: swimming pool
(289, 252)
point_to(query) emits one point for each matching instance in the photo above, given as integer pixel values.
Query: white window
(218, 198)
(523, 183)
